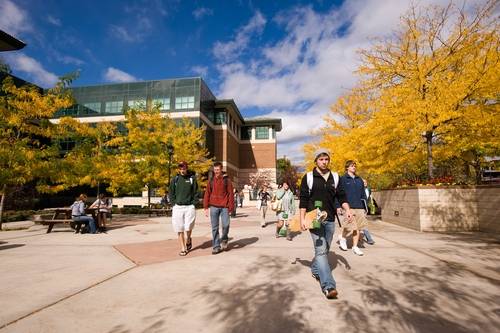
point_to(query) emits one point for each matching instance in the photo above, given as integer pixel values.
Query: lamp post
(170, 152)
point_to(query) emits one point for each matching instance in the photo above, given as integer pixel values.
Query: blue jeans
(322, 239)
(215, 212)
(85, 220)
(368, 236)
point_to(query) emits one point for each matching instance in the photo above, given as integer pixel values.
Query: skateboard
(310, 217)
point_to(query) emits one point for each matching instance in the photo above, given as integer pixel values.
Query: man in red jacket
(219, 197)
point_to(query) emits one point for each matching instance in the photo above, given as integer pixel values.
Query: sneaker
(357, 251)
(223, 245)
(371, 243)
(330, 293)
(343, 244)
(217, 250)
(263, 225)
(278, 235)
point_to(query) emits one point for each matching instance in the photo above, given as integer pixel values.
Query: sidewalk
(132, 280)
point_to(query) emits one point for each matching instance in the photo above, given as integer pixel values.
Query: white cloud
(141, 28)
(37, 74)
(116, 75)
(231, 50)
(13, 20)
(201, 12)
(200, 70)
(298, 77)
(54, 20)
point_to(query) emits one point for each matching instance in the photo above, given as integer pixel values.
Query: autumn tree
(25, 130)
(287, 172)
(142, 158)
(437, 78)
(429, 93)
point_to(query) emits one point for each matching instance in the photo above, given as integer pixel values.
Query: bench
(51, 222)
(160, 211)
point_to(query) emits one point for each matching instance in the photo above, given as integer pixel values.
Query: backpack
(310, 179)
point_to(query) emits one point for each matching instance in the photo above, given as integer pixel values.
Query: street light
(170, 152)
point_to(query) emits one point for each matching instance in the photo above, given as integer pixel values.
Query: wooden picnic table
(60, 215)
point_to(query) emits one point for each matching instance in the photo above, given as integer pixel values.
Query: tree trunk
(2, 202)
(149, 195)
(430, 166)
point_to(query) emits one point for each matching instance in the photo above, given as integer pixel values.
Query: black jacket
(323, 191)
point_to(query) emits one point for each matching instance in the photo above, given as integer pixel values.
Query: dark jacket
(219, 193)
(183, 190)
(323, 191)
(355, 191)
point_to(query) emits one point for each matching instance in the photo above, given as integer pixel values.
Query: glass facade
(162, 102)
(110, 99)
(261, 132)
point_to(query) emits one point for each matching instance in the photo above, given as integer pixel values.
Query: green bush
(17, 215)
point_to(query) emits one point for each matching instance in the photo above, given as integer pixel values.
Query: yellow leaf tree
(143, 158)
(429, 93)
(438, 77)
(26, 151)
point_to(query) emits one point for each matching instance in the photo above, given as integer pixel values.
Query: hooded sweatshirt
(219, 193)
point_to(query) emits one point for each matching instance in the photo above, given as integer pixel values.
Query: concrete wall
(453, 208)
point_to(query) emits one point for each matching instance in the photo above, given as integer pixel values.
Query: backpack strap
(310, 179)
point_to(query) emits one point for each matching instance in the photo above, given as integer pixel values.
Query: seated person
(79, 217)
(104, 207)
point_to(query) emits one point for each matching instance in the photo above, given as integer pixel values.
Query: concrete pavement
(132, 280)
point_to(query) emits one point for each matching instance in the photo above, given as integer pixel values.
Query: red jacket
(219, 195)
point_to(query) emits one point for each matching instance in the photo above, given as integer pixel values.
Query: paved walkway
(132, 280)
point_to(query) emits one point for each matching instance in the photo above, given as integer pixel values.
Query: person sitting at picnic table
(103, 205)
(79, 217)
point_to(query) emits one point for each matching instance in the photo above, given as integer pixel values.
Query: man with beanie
(219, 199)
(320, 185)
(183, 194)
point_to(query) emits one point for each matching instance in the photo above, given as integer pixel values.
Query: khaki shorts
(358, 222)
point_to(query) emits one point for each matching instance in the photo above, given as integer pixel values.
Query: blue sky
(286, 59)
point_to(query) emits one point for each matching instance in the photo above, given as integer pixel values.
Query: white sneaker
(343, 244)
(357, 251)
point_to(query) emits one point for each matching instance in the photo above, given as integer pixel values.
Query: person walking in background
(236, 202)
(219, 199)
(356, 197)
(287, 209)
(79, 217)
(103, 206)
(320, 186)
(183, 192)
(366, 233)
(264, 197)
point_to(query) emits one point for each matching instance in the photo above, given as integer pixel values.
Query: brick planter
(443, 208)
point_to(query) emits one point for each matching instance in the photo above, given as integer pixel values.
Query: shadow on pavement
(333, 258)
(419, 299)
(10, 246)
(247, 306)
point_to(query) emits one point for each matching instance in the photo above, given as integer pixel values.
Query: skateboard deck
(310, 217)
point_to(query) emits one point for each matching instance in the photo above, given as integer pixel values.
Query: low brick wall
(450, 208)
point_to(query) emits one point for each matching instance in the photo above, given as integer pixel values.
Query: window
(114, 107)
(92, 107)
(246, 133)
(162, 102)
(219, 118)
(184, 102)
(136, 103)
(261, 132)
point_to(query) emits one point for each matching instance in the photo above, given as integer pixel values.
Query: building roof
(276, 122)
(10, 43)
